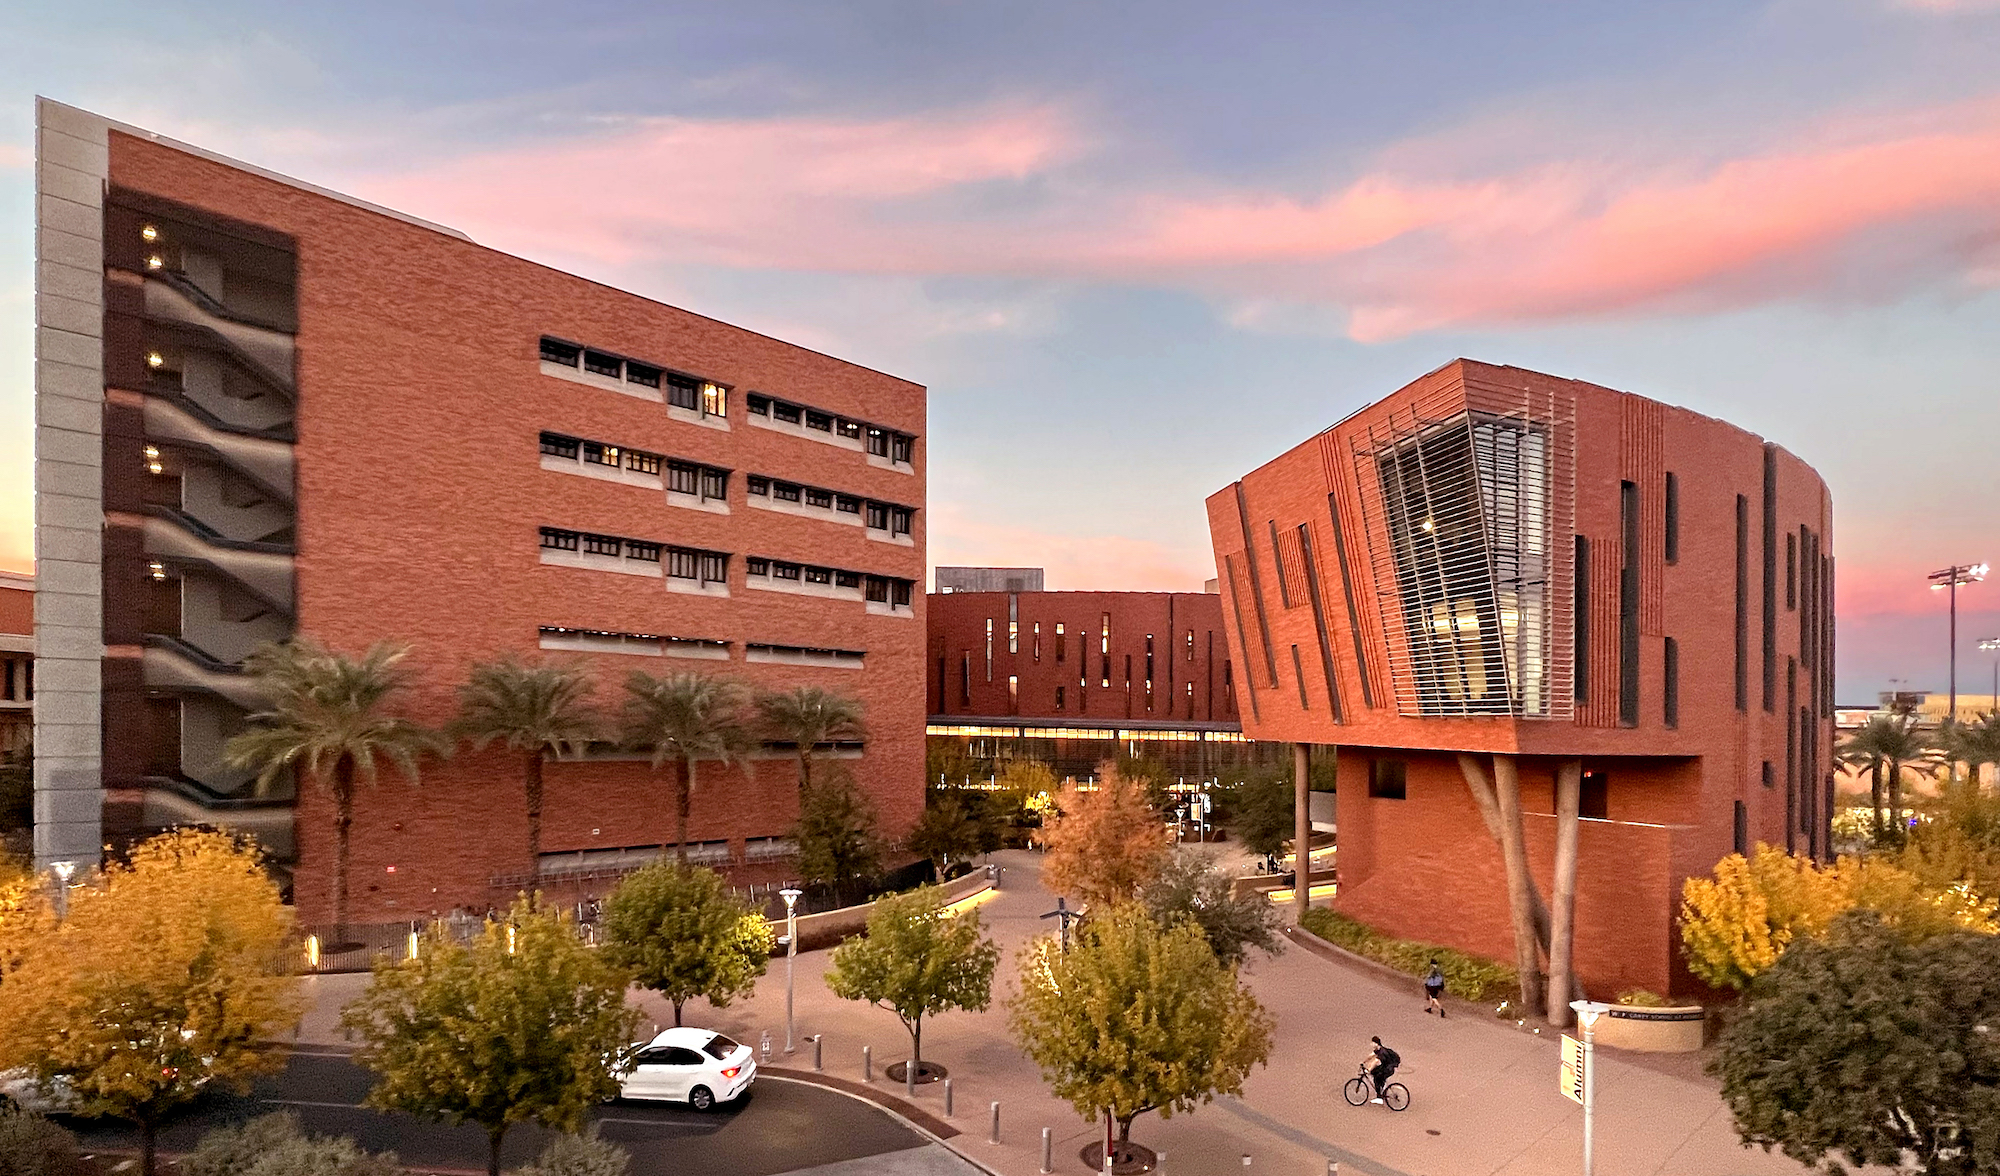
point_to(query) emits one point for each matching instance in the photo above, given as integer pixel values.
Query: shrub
(579, 1155)
(1643, 998)
(275, 1145)
(1467, 977)
(32, 1146)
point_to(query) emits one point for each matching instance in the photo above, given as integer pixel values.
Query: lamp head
(65, 870)
(790, 895)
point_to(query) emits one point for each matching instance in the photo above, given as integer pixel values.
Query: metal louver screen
(1469, 511)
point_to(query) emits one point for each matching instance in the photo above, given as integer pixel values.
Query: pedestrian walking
(1433, 989)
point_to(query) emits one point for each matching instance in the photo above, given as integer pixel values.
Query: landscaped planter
(829, 928)
(1643, 1029)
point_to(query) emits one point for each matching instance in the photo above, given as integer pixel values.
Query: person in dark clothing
(1381, 1062)
(1433, 989)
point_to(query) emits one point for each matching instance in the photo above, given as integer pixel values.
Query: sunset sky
(1136, 249)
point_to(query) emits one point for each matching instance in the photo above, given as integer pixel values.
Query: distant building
(988, 580)
(17, 660)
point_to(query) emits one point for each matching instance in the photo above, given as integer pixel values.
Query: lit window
(714, 400)
(153, 463)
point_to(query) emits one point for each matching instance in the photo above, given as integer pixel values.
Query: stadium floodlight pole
(1992, 645)
(1948, 580)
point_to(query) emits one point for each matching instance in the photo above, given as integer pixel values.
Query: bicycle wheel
(1357, 1091)
(1397, 1096)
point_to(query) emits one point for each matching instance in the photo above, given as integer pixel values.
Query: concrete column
(1301, 831)
(1562, 912)
(1520, 883)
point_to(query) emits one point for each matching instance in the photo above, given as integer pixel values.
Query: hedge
(1468, 977)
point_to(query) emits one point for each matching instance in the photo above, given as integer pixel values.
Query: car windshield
(719, 1047)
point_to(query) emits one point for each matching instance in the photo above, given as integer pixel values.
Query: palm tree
(537, 710)
(687, 717)
(1976, 744)
(1887, 745)
(328, 715)
(807, 716)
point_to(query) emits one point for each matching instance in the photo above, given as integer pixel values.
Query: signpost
(1571, 1082)
(1587, 1012)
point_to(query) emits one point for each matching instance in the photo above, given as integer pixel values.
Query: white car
(697, 1066)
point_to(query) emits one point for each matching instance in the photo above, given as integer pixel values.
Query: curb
(916, 1119)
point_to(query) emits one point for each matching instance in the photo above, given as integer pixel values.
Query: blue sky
(1136, 249)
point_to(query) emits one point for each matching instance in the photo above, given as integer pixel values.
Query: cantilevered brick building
(267, 409)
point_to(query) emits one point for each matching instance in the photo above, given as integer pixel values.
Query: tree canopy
(680, 932)
(687, 717)
(807, 716)
(1191, 889)
(523, 1024)
(534, 710)
(835, 833)
(1105, 843)
(917, 960)
(1264, 812)
(951, 827)
(1137, 1017)
(1863, 1046)
(167, 975)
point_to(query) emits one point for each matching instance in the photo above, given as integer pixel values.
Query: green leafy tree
(948, 761)
(330, 716)
(534, 711)
(1264, 812)
(1190, 889)
(1974, 744)
(836, 834)
(917, 960)
(679, 931)
(17, 789)
(1148, 773)
(1863, 1048)
(1887, 746)
(1022, 788)
(807, 716)
(686, 717)
(1137, 1017)
(523, 1024)
(950, 827)
(166, 977)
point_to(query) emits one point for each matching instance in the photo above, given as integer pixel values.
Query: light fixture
(155, 262)
(1429, 525)
(149, 233)
(153, 464)
(158, 570)
(155, 359)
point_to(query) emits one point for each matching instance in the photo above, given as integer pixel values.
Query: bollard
(764, 1046)
(1160, 1164)
(1333, 1168)
(1048, 1149)
(947, 1098)
(910, 1080)
(867, 1064)
(995, 1137)
(818, 1039)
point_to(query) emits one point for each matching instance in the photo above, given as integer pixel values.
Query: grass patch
(1643, 998)
(1467, 977)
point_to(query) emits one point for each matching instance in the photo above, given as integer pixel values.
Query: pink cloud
(13, 155)
(1073, 562)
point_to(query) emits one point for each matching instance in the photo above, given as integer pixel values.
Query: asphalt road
(776, 1127)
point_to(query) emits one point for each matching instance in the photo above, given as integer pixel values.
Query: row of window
(682, 477)
(681, 390)
(879, 441)
(880, 589)
(687, 563)
(610, 641)
(882, 516)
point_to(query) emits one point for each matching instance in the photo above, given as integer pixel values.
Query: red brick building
(1072, 678)
(17, 660)
(1538, 571)
(268, 409)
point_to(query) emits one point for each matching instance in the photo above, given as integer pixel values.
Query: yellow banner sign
(1571, 1082)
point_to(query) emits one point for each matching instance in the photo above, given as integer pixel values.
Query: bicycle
(1361, 1088)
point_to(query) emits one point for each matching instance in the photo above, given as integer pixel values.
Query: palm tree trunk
(343, 824)
(533, 782)
(1896, 796)
(1875, 794)
(683, 801)
(805, 772)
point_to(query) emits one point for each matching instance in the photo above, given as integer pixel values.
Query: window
(1036, 644)
(759, 405)
(756, 485)
(714, 567)
(1061, 641)
(559, 540)
(1791, 571)
(682, 392)
(603, 545)
(848, 429)
(1190, 645)
(683, 564)
(823, 499)
(901, 448)
(965, 679)
(900, 594)
(1742, 603)
(557, 351)
(1594, 798)
(683, 477)
(1059, 698)
(878, 591)
(639, 461)
(785, 491)
(819, 575)
(643, 374)
(604, 455)
(878, 517)
(757, 567)
(714, 400)
(1671, 689)
(989, 648)
(598, 363)
(1013, 695)
(878, 442)
(1388, 779)
(714, 483)
(785, 571)
(847, 579)
(1299, 675)
(846, 504)
(1770, 780)
(557, 445)
(640, 549)
(899, 519)
(1742, 828)
(819, 420)
(1628, 606)
(788, 413)
(1278, 559)
(1673, 521)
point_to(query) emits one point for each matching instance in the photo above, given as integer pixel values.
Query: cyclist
(1381, 1062)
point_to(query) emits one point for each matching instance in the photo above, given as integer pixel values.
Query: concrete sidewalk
(1484, 1103)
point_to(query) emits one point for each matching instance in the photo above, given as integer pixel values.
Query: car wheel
(701, 1099)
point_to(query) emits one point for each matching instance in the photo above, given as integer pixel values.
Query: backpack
(1435, 979)
(1388, 1056)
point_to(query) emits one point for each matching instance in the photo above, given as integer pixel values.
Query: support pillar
(1520, 883)
(1562, 910)
(1301, 830)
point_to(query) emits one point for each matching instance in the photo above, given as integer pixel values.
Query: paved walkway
(1485, 1099)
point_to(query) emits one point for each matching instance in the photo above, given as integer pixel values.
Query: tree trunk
(682, 802)
(1562, 909)
(343, 823)
(917, 1044)
(149, 1144)
(494, 1136)
(805, 772)
(1896, 799)
(1301, 831)
(1875, 794)
(677, 1013)
(1534, 924)
(1514, 852)
(1125, 1129)
(532, 779)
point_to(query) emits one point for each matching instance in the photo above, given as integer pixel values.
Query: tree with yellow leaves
(1103, 845)
(166, 975)
(1735, 925)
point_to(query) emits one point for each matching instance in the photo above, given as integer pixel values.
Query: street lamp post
(791, 897)
(1992, 645)
(64, 870)
(1587, 1012)
(1948, 580)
